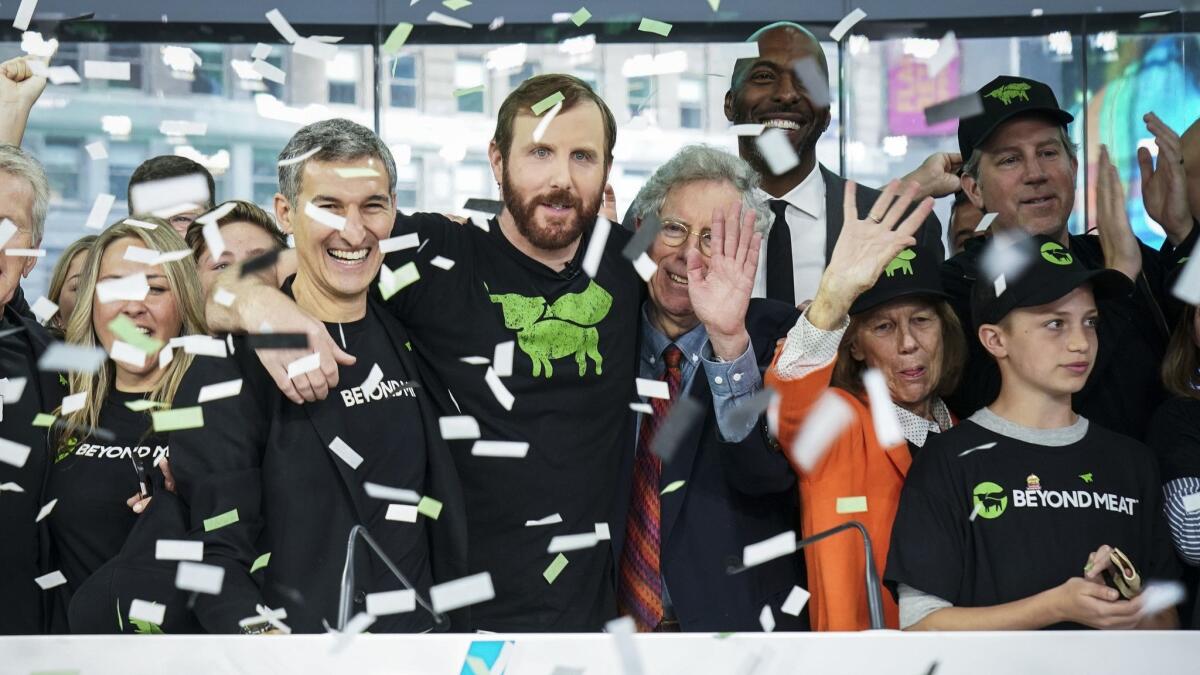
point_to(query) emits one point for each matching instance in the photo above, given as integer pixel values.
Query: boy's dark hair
(170, 166)
(243, 211)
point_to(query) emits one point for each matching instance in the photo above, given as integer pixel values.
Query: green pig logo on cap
(901, 263)
(1053, 252)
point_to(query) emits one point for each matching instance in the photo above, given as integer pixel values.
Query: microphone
(344, 598)
(874, 597)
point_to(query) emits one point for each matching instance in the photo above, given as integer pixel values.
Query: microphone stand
(874, 598)
(344, 598)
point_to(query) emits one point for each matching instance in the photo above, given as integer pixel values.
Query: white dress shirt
(806, 223)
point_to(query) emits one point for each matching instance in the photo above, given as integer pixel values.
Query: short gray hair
(702, 163)
(17, 162)
(971, 167)
(334, 140)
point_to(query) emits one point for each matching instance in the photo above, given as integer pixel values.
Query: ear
(27, 266)
(496, 159)
(970, 186)
(828, 119)
(283, 214)
(729, 105)
(994, 340)
(856, 351)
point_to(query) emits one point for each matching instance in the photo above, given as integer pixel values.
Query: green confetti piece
(555, 568)
(657, 27)
(221, 520)
(455, 5)
(397, 37)
(715, 4)
(146, 628)
(547, 103)
(125, 330)
(430, 507)
(44, 420)
(392, 282)
(260, 562)
(581, 16)
(467, 91)
(179, 418)
(142, 405)
(722, 636)
(673, 487)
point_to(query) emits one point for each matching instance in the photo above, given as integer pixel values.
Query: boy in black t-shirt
(1009, 520)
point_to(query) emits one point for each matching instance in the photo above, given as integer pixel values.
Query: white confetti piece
(24, 14)
(645, 267)
(165, 356)
(74, 402)
(958, 108)
(814, 80)
(778, 546)
(438, 17)
(299, 158)
(852, 504)
(127, 353)
(572, 542)
(602, 532)
(11, 487)
(839, 31)
(178, 549)
(985, 446)
(1191, 503)
(985, 222)
(45, 510)
(795, 601)
(304, 364)
(511, 449)
(1187, 285)
(98, 216)
(596, 244)
(370, 384)
(883, 411)
(12, 388)
(947, 50)
(442, 262)
(469, 590)
(182, 128)
(457, 427)
(199, 345)
(390, 494)
(622, 630)
(261, 51)
(747, 129)
(62, 357)
(345, 452)
(213, 239)
(1000, 285)
(392, 282)
(213, 392)
(644, 408)
(314, 49)
(169, 193)
(269, 72)
(400, 243)
(224, 298)
(282, 26)
(743, 50)
(766, 619)
(64, 75)
(777, 150)
(26, 252)
(1159, 596)
(975, 511)
(502, 358)
(106, 70)
(391, 602)
(403, 513)
(199, 577)
(7, 230)
(44, 309)
(150, 612)
(502, 394)
(552, 519)
(653, 389)
(826, 420)
(137, 254)
(96, 150)
(140, 223)
(51, 580)
(1152, 15)
(540, 130)
(475, 360)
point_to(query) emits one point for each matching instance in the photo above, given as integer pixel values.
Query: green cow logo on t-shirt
(990, 500)
(566, 327)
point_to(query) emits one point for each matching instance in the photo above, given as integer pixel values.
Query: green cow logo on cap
(990, 500)
(901, 263)
(1053, 252)
(566, 327)
(1010, 92)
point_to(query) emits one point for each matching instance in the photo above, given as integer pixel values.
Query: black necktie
(779, 256)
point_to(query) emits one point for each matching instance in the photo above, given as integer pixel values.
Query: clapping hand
(1120, 245)
(1164, 187)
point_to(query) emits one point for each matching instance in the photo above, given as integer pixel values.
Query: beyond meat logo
(390, 389)
(120, 452)
(566, 327)
(991, 502)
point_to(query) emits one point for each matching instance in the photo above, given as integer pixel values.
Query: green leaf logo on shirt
(990, 500)
(563, 328)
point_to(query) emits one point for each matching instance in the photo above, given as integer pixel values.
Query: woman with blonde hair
(105, 448)
(64, 282)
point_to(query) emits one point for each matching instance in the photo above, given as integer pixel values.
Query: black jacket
(929, 237)
(1124, 388)
(248, 456)
(735, 494)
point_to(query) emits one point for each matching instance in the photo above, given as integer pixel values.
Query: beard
(553, 233)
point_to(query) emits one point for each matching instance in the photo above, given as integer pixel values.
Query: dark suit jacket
(269, 459)
(735, 494)
(929, 237)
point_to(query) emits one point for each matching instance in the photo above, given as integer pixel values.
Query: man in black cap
(1017, 518)
(1021, 165)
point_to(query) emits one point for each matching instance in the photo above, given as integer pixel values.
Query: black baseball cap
(1004, 98)
(1046, 271)
(915, 271)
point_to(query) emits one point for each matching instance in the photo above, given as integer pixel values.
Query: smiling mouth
(677, 279)
(348, 257)
(1038, 201)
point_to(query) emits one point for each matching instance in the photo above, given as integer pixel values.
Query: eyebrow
(149, 277)
(1008, 148)
(329, 198)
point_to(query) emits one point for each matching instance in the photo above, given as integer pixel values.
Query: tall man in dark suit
(806, 200)
(695, 503)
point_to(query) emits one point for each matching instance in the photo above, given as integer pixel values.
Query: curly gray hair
(702, 163)
(333, 140)
(17, 162)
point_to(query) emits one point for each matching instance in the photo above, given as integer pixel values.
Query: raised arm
(19, 90)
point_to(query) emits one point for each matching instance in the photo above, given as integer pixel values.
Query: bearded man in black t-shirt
(1018, 518)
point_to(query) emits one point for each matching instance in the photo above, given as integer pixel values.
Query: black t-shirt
(1041, 510)
(572, 379)
(19, 558)
(92, 479)
(385, 428)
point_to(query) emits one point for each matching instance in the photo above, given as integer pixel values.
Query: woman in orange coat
(879, 307)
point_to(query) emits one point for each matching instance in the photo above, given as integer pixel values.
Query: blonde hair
(185, 287)
(58, 278)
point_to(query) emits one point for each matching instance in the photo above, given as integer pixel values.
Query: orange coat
(854, 466)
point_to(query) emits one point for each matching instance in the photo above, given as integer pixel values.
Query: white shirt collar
(808, 196)
(917, 429)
